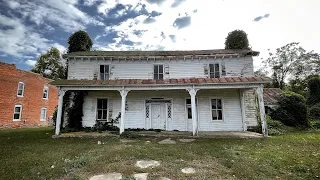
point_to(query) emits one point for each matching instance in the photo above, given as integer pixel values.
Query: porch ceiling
(166, 82)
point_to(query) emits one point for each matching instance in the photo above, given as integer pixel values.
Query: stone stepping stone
(167, 141)
(109, 176)
(141, 176)
(188, 170)
(186, 140)
(145, 164)
(127, 140)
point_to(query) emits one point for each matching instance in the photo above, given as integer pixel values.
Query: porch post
(60, 104)
(123, 94)
(193, 93)
(262, 111)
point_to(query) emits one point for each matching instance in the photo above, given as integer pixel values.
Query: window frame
(158, 74)
(103, 98)
(22, 89)
(222, 109)
(14, 112)
(45, 114)
(104, 73)
(190, 106)
(45, 88)
(220, 70)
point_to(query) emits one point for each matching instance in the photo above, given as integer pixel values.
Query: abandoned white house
(204, 90)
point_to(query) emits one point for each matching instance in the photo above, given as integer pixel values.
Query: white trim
(22, 89)
(223, 109)
(186, 111)
(163, 73)
(243, 109)
(96, 108)
(220, 70)
(45, 88)
(14, 112)
(99, 73)
(45, 114)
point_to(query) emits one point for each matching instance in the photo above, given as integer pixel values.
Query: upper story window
(17, 112)
(214, 70)
(158, 72)
(216, 109)
(43, 114)
(45, 92)
(20, 89)
(104, 72)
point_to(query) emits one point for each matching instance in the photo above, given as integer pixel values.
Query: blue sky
(29, 28)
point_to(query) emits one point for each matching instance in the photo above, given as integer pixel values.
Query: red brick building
(26, 99)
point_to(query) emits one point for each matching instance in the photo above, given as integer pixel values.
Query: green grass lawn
(31, 154)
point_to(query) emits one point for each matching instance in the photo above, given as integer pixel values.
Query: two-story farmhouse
(26, 99)
(204, 90)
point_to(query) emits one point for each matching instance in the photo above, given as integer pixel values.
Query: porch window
(104, 72)
(189, 109)
(45, 92)
(158, 72)
(17, 112)
(20, 89)
(216, 109)
(43, 114)
(102, 109)
(214, 70)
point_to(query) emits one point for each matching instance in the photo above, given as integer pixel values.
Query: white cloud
(31, 62)
(60, 47)
(13, 4)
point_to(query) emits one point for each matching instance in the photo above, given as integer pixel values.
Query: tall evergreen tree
(79, 41)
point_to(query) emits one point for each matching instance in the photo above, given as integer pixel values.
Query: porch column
(193, 93)
(59, 113)
(262, 111)
(123, 94)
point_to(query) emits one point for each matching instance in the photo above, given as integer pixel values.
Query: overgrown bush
(314, 90)
(237, 39)
(128, 134)
(107, 125)
(315, 112)
(292, 110)
(315, 124)
(275, 128)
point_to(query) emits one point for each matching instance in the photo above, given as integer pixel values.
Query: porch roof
(165, 82)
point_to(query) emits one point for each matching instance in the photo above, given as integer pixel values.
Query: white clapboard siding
(250, 107)
(135, 115)
(177, 68)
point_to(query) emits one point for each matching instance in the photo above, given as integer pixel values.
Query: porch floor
(202, 134)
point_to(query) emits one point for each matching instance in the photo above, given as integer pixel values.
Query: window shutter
(223, 69)
(166, 69)
(206, 70)
(111, 70)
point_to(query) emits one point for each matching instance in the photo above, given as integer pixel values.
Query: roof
(271, 96)
(240, 52)
(148, 82)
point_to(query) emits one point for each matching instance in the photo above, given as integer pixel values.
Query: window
(214, 70)
(17, 112)
(216, 109)
(45, 92)
(20, 89)
(43, 114)
(102, 109)
(189, 109)
(104, 72)
(158, 72)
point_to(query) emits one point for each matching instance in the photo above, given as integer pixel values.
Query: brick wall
(32, 100)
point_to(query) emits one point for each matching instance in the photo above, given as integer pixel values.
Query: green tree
(289, 61)
(50, 65)
(79, 41)
(237, 39)
(314, 91)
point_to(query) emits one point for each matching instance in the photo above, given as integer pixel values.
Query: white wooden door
(158, 117)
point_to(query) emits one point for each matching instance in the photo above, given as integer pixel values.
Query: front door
(158, 120)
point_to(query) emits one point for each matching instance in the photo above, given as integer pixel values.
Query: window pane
(102, 76)
(211, 68)
(106, 69)
(17, 109)
(155, 76)
(219, 104)
(189, 113)
(211, 75)
(20, 92)
(213, 103)
(99, 103)
(105, 113)
(188, 101)
(20, 86)
(160, 76)
(160, 68)
(219, 114)
(106, 76)
(101, 68)
(16, 116)
(217, 74)
(99, 114)
(214, 115)
(105, 104)
(155, 71)
(216, 67)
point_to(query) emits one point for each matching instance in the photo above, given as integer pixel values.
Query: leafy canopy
(50, 65)
(314, 90)
(79, 41)
(237, 39)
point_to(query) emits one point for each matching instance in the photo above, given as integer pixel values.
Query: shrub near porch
(33, 154)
